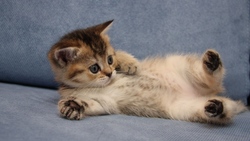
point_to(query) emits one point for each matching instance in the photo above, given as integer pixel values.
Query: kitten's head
(84, 58)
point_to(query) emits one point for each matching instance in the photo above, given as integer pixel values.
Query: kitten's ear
(104, 27)
(65, 55)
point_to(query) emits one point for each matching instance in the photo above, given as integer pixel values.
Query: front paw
(72, 108)
(126, 63)
(129, 68)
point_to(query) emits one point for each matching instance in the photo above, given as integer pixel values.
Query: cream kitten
(180, 87)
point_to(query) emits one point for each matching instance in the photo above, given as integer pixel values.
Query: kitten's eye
(110, 60)
(94, 68)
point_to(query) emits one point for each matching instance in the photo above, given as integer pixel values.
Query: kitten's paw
(129, 68)
(72, 108)
(214, 108)
(211, 60)
(126, 63)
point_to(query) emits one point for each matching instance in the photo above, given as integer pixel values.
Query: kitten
(180, 87)
(85, 58)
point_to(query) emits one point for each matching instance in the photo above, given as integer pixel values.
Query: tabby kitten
(84, 58)
(180, 87)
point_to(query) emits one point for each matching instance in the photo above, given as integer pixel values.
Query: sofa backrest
(143, 28)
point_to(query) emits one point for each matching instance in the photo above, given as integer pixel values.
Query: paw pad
(212, 60)
(214, 108)
(72, 108)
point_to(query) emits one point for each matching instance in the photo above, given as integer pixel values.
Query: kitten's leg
(216, 110)
(221, 110)
(207, 75)
(126, 63)
(213, 71)
(77, 108)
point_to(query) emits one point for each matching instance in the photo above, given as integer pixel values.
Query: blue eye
(110, 60)
(94, 68)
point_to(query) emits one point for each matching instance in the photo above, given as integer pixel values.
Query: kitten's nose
(109, 74)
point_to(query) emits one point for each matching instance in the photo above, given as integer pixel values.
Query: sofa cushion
(143, 28)
(30, 114)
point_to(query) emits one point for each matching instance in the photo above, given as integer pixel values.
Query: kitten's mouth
(104, 82)
(107, 80)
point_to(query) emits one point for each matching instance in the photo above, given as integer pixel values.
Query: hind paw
(211, 60)
(214, 108)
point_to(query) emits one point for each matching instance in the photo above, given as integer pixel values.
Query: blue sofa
(28, 96)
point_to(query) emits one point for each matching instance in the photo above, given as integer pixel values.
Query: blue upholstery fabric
(143, 28)
(30, 114)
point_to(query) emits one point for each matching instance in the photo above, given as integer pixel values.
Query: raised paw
(211, 60)
(214, 108)
(72, 108)
(126, 63)
(129, 68)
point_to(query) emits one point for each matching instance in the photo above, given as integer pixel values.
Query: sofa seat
(30, 114)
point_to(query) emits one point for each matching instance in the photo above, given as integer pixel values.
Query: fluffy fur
(180, 87)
